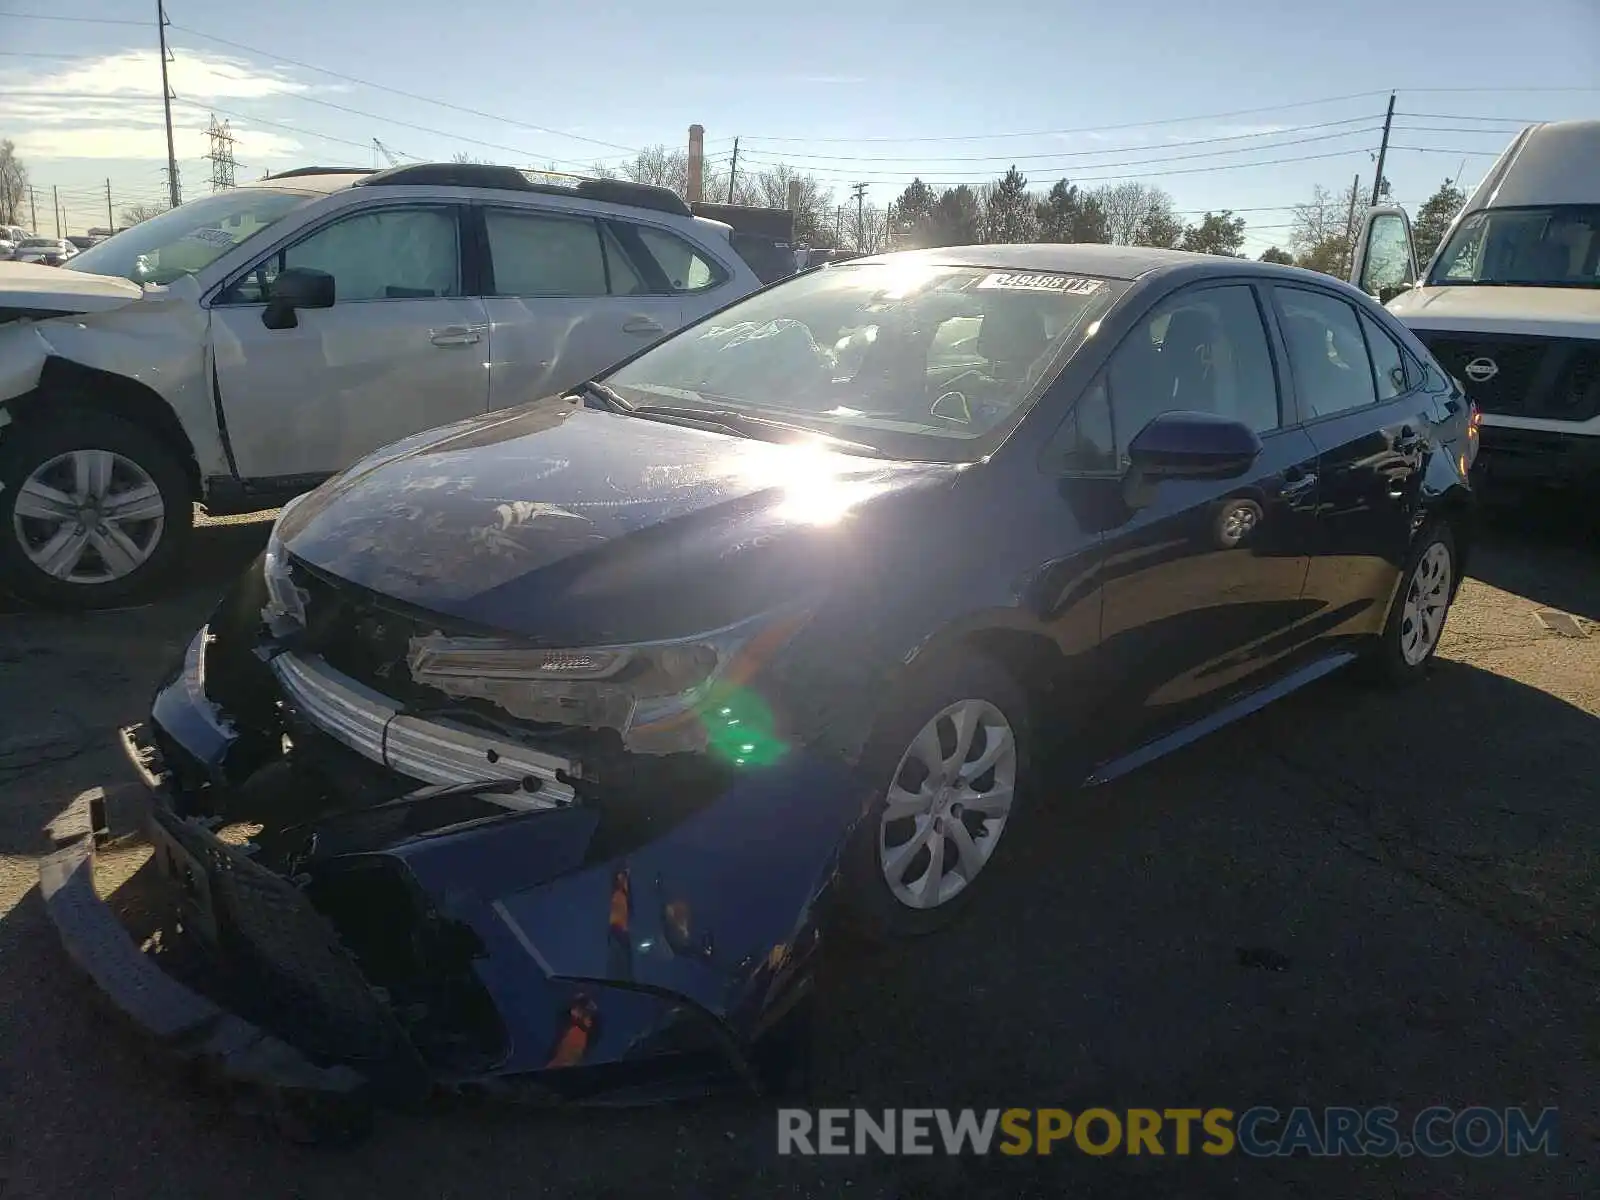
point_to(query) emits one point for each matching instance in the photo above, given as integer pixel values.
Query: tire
(125, 463)
(1395, 660)
(968, 683)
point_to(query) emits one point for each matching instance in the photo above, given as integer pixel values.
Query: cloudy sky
(1216, 103)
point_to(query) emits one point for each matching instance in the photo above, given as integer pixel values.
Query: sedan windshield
(182, 240)
(1557, 246)
(916, 360)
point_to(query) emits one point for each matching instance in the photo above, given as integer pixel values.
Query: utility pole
(55, 203)
(221, 155)
(111, 220)
(33, 209)
(733, 169)
(1350, 223)
(1383, 149)
(174, 195)
(860, 189)
(838, 226)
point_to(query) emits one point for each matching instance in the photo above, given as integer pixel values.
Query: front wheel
(94, 511)
(1416, 620)
(951, 751)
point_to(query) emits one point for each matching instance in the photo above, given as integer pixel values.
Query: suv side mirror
(1193, 445)
(296, 288)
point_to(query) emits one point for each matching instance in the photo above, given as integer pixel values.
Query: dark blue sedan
(555, 736)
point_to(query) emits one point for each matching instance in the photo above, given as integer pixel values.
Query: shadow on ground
(1544, 547)
(1431, 899)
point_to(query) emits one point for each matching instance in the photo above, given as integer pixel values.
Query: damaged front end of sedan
(412, 857)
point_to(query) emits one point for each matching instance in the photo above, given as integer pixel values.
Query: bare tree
(13, 184)
(134, 213)
(1138, 214)
(813, 218)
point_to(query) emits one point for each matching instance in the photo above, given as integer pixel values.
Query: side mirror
(1193, 445)
(1384, 260)
(296, 288)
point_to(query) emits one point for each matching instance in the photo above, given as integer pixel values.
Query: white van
(1510, 303)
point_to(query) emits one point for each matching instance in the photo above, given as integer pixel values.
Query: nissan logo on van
(1481, 370)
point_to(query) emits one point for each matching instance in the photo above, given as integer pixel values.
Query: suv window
(389, 254)
(1332, 371)
(1198, 351)
(1388, 363)
(686, 269)
(542, 254)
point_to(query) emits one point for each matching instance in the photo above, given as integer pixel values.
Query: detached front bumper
(586, 973)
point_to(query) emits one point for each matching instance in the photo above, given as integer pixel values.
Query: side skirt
(1242, 707)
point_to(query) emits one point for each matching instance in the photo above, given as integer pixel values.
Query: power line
(16, 16)
(984, 137)
(1135, 162)
(383, 87)
(344, 108)
(1233, 137)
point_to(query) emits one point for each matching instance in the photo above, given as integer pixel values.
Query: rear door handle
(457, 335)
(642, 325)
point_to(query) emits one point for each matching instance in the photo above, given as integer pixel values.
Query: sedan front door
(1203, 578)
(403, 348)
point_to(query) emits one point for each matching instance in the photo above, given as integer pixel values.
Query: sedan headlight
(662, 697)
(285, 609)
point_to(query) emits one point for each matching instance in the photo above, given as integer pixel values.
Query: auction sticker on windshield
(1018, 281)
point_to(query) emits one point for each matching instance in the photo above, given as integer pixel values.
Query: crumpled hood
(59, 290)
(570, 525)
(1557, 311)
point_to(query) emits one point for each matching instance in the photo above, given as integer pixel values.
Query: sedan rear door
(1373, 424)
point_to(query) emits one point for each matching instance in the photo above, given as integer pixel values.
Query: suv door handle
(456, 335)
(642, 325)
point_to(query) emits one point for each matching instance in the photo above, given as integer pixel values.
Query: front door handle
(1298, 486)
(642, 325)
(456, 335)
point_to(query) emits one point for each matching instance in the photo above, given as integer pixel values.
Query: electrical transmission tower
(221, 155)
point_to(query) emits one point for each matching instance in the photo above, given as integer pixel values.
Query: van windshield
(185, 239)
(1556, 246)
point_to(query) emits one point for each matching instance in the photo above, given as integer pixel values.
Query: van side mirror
(296, 288)
(1384, 260)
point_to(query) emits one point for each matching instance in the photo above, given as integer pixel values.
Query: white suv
(241, 348)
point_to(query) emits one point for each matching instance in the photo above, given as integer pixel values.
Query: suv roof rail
(491, 175)
(322, 171)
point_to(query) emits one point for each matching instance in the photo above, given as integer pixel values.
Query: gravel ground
(1424, 868)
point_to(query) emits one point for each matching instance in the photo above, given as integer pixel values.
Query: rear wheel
(1416, 620)
(94, 511)
(952, 751)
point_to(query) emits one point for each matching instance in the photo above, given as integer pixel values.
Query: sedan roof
(1110, 262)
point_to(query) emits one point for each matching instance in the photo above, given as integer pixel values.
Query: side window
(391, 254)
(1332, 372)
(1084, 444)
(686, 269)
(1199, 351)
(1388, 364)
(541, 254)
(623, 276)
